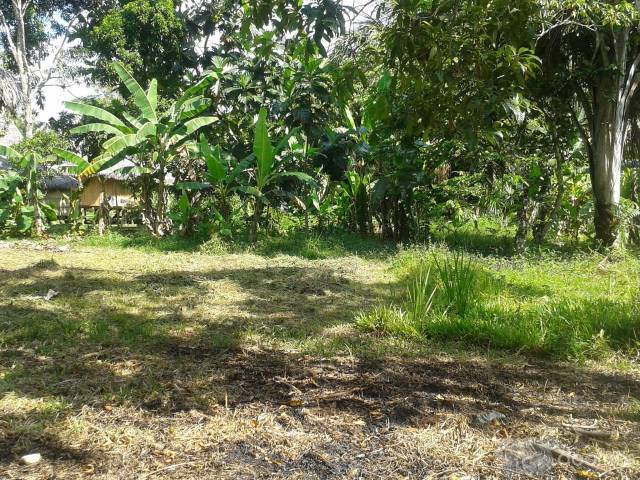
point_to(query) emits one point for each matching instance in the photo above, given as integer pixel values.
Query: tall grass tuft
(459, 278)
(388, 320)
(420, 294)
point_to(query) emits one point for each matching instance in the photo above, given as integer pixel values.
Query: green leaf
(197, 123)
(147, 130)
(349, 115)
(213, 158)
(99, 127)
(194, 106)
(101, 163)
(303, 177)
(135, 170)
(10, 153)
(94, 112)
(24, 222)
(193, 186)
(115, 145)
(183, 204)
(262, 148)
(191, 126)
(152, 94)
(250, 191)
(80, 163)
(284, 142)
(139, 95)
(196, 89)
(132, 120)
(50, 212)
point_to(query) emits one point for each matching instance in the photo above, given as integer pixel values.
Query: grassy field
(300, 358)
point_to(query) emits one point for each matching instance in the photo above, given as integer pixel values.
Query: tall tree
(591, 58)
(27, 27)
(149, 37)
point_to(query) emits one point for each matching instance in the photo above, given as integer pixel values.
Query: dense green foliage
(401, 119)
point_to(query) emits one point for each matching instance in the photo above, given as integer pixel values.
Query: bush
(214, 246)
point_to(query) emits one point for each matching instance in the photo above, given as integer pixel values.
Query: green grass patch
(581, 307)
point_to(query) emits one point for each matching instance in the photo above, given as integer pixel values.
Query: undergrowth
(586, 307)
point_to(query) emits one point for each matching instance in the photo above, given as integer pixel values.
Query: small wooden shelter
(108, 187)
(58, 190)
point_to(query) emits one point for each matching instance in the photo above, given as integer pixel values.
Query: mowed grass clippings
(179, 365)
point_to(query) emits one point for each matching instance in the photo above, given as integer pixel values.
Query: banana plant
(266, 173)
(26, 205)
(222, 171)
(149, 138)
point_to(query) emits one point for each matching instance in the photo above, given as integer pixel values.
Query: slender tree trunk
(253, 231)
(523, 225)
(38, 224)
(608, 148)
(545, 224)
(23, 70)
(160, 216)
(634, 228)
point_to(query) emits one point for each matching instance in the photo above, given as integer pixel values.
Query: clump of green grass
(314, 246)
(409, 320)
(574, 308)
(420, 293)
(214, 246)
(458, 280)
(140, 239)
(388, 320)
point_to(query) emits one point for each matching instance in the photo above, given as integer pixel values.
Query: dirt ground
(184, 408)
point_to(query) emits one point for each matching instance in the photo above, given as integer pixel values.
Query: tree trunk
(634, 228)
(362, 210)
(253, 231)
(546, 220)
(523, 226)
(160, 214)
(23, 70)
(38, 224)
(606, 171)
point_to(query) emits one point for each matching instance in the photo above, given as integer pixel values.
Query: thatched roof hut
(61, 183)
(112, 185)
(4, 164)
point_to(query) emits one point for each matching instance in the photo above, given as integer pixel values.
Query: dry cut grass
(152, 365)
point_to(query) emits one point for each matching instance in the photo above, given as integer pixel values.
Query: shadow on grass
(491, 239)
(150, 353)
(311, 246)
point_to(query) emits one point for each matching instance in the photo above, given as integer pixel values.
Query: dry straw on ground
(216, 368)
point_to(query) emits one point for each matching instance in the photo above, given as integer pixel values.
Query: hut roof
(61, 183)
(120, 171)
(4, 164)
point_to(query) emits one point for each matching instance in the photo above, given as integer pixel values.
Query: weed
(458, 279)
(420, 294)
(390, 320)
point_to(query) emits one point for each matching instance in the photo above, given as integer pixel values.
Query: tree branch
(565, 23)
(632, 82)
(25, 6)
(56, 57)
(588, 109)
(582, 131)
(7, 32)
